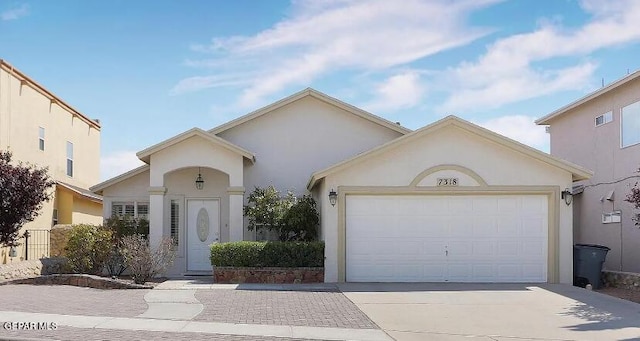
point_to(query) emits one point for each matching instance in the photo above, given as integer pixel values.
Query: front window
(630, 130)
(175, 221)
(130, 210)
(69, 159)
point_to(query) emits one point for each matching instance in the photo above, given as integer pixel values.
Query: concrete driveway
(495, 312)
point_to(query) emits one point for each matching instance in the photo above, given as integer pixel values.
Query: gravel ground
(71, 300)
(292, 308)
(627, 294)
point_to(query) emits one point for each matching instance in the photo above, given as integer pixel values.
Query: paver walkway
(190, 310)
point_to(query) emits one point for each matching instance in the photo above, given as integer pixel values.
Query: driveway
(502, 312)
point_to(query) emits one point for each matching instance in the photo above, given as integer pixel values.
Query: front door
(203, 229)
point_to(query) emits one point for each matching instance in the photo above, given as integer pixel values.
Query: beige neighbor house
(601, 131)
(40, 128)
(448, 202)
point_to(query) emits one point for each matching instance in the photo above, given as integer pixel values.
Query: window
(130, 209)
(69, 159)
(54, 221)
(41, 138)
(630, 129)
(175, 220)
(604, 118)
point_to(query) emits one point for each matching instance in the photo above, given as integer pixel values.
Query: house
(601, 131)
(40, 128)
(449, 202)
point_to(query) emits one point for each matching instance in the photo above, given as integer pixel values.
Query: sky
(152, 69)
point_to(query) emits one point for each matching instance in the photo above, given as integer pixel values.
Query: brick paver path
(292, 308)
(70, 300)
(80, 334)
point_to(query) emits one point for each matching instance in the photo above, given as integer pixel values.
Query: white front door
(203, 229)
(466, 238)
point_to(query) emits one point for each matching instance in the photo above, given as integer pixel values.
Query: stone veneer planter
(625, 280)
(227, 274)
(90, 281)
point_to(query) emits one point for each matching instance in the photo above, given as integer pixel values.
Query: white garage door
(412, 238)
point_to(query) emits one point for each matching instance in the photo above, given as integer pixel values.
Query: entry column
(156, 214)
(236, 222)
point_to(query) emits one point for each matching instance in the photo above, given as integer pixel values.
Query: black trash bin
(587, 264)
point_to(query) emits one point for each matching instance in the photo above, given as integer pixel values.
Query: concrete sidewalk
(186, 326)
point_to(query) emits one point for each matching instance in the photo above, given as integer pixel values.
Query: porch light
(567, 196)
(199, 181)
(333, 197)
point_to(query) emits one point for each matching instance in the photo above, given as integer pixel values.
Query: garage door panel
(501, 238)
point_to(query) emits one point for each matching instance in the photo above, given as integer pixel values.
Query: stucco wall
(135, 188)
(496, 164)
(22, 111)
(575, 137)
(300, 138)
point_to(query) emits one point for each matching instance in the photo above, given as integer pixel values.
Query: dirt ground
(627, 294)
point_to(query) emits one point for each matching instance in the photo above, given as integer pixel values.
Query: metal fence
(37, 244)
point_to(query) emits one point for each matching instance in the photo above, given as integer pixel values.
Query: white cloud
(321, 37)
(400, 91)
(15, 13)
(520, 128)
(506, 72)
(118, 162)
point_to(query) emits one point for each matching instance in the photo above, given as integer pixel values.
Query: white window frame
(135, 205)
(180, 200)
(70, 159)
(622, 145)
(606, 118)
(41, 134)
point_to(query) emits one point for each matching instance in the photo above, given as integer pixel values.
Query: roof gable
(145, 155)
(124, 176)
(309, 92)
(547, 118)
(578, 172)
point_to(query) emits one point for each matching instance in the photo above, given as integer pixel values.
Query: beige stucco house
(40, 128)
(601, 131)
(449, 202)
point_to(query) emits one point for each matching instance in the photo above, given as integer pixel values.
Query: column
(156, 214)
(236, 221)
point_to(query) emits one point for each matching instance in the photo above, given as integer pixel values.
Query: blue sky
(150, 70)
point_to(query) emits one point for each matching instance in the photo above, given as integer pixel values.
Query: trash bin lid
(593, 246)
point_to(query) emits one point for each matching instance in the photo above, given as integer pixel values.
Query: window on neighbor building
(41, 138)
(630, 121)
(54, 220)
(69, 159)
(130, 209)
(604, 118)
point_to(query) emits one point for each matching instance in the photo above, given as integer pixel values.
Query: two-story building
(40, 128)
(601, 132)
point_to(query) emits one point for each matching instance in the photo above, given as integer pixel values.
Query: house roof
(87, 194)
(546, 119)
(4, 65)
(309, 92)
(145, 155)
(578, 172)
(124, 176)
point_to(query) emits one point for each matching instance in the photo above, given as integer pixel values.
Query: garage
(446, 238)
(450, 202)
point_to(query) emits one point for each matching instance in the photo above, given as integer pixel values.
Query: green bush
(127, 226)
(88, 248)
(268, 254)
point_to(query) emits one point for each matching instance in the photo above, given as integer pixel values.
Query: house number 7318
(447, 181)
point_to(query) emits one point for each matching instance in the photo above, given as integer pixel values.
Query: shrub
(143, 261)
(88, 248)
(268, 254)
(293, 219)
(126, 226)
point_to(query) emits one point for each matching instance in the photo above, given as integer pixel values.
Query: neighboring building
(601, 132)
(449, 202)
(40, 128)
